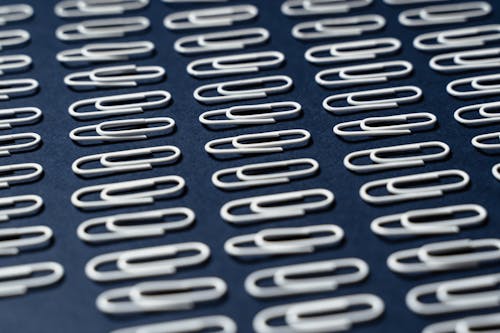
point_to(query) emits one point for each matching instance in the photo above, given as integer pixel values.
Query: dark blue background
(69, 306)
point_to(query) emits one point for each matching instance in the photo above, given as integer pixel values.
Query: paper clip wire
(321, 7)
(223, 324)
(32, 204)
(15, 37)
(15, 13)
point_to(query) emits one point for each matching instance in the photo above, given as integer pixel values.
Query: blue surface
(69, 306)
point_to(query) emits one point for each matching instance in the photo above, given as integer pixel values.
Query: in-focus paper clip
(13, 240)
(483, 85)
(28, 141)
(306, 278)
(19, 206)
(484, 141)
(398, 192)
(17, 88)
(466, 60)
(84, 8)
(489, 113)
(151, 223)
(101, 52)
(215, 324)
(321, 7)
(444, 14)
(14, 177)
(210, 17)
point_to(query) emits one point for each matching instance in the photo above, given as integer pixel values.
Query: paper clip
(102, 28)
(458, 38)
(150, 223)
(466, 60)
(482, 141)
(397, 191)
(480, 86)
(457, 295)
(17, 88)
(284, 241)
(496, 171)
(13, 38)
(482, 323)
(116, 76)
(321, 7)
(31, 204)
(139, 263)
(320, 316)
(29, 141)
(260, 174)
(358, 101)
(487, 111)
(85, 8)
(15, 13)
(338, 27)
(235, 64)
(124, 161)
(261, 211)
(391, 125)
(383, 161)
(306, 278)
(13, 179)
(7, 123)
(108, 199)
(119, 105)
(409, 2)
(350, 51)
(28, 276)
(445, 256)
(192, 1)
(221, 41)
(12, 240)
(101, 52)
(229, 91)
(254, 114)
(210, 17)
(259, 143)
(14, 63)
(364, 74)
(444, 14)
(430, 221)
(215, 324)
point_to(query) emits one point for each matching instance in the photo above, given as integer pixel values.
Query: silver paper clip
(482, 323)
(14, 63)
(483, 141)
(14, 178)
(101, 52)
(31, 204)
(17, 88)
(28, 141)
(466, 60)
(321, 7)
(222, 324)
(31, 115)
(15, 37)
(12, 240)
(15, 13)
(487, 111)
(480, 85)
(85, 8)
(460, 12)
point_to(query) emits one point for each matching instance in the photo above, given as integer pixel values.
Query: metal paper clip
(139, 263)
(109, 199)
(398, 192)
(261, 211)
(83, 8)
(445, 256)
(284, 241)
(260, 174)
(8, 123)
(358, 101)
(101, 52)
(28, 276)
(17, 88)
(241, 90)
(119, 105)
(102, 28)
(321, 7)
(150, 223)
(458, 38)
(35, 204)
(7, 181)
(210, 17)
(487, 111)
(466, 60)
(29, 141)
(222, 324)
(192, 1)
(391, 125)
(351, 51)
(483, 323)
(383, 161)
(444, 14)
(116, 76)
(221, 41)
(338, 27)
(124, 161)
(12, 240)
(254, 114)
(409, 2)
(13, 38)
(496, 171)
(320, 316)
(306, 278)
(235, 64)
(259, 143)
(364, 74)
(480, 86)
(14, 63)
(14, 13)
(483, 141)
(472, 293)
(431, 221)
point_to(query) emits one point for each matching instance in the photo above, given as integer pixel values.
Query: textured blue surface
(69, 306)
